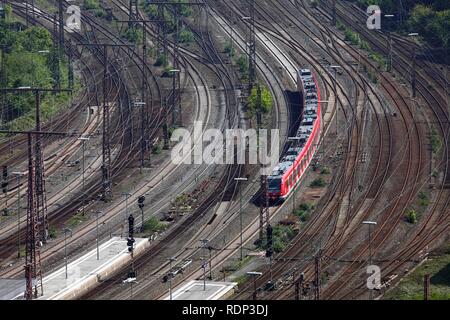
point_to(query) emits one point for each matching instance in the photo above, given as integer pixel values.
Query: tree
(266, 100)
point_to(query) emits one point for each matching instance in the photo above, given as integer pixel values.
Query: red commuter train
(297, 159)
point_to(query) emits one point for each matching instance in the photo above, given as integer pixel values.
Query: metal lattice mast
(133, 10)
(32, 252)
(252, 47)
(3, 83)
(41, 203)
(176, 75)
(61, 26)
(56, 56)
(106, 146)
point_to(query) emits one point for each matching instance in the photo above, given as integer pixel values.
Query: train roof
(306, 126)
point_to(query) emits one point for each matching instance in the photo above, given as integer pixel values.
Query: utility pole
(61, 26)
(165, 125)
(33, 241)
(334, 13)
(317, 275)
(32, 252)
(3, 84)
(298, 285)
(56, 55)
(413, 68)
(83, 141)
(254, 275)
(40, 199)
(172, 259)
(264, 212)
(70, 66)
(426, 287)
(370, 224)
(18, 175)
(251, 47)
(240, 213)
(204, 263)
(389, 44)
(33, 269)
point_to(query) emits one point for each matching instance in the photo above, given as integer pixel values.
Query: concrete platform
(194, 290)
(11, 288)
(86, 272)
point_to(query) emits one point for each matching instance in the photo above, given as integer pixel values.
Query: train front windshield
(274, 184)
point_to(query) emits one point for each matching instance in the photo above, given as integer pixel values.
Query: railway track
(302, 20)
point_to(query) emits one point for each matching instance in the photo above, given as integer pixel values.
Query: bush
(266, 100)
(229, 49)
(161, 61)
(153, 225)
(319, 182)
(186, 36)
(242, 64)
(90, 4)
(411, 216)
(156, 149)
(325, 170)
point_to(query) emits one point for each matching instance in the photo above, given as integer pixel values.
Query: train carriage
(297, 159)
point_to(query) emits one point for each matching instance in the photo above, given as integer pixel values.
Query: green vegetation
(52, 232)
(91, 5)
(133, 35)
(282, 234)
(240, 279)
(319, 182)
(153, 225)
(266, 100)
(303, 212)
(30, 60)
(325, 170)
(435, 141)
(281, 237)
(156, 149)
(161, 60)
(186, 35)
(411, 216)
(94, 5)
(76, 220)
(242, 63)
(423, 199)
(355, 39)
(229, 49)
(411, 286)
(430, 18)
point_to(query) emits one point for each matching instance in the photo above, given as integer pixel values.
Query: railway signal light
(269, 250)
(130, 239)
(141, 200)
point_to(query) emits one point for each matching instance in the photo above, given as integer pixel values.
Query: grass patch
(435, 141)
(411, 286)
(76, 220)
(153, 225)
